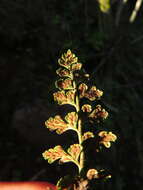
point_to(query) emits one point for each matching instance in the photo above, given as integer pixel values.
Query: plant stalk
(81, 158)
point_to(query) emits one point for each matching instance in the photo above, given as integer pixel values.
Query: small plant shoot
(74, 89)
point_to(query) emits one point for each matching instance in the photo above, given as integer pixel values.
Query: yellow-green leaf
(106, 138)
(56, 124)
(98, 113)
(76, 66)
(56, 153)
(64, 84)
(67, 59)
(93, 93)
(62, 72)
(104, 5)
(63, 97)
(71, 119)
(82, 89)
(75, 151)
(86, 108)
(87, 135)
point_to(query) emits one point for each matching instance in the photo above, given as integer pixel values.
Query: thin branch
(135, 11)
(129, 85)
(111, 107)
(137, 40)
(35, 177)
(119, 11)
(104, 60)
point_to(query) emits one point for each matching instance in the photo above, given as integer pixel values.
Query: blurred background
(107, 36)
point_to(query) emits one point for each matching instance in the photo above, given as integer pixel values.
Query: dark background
(33, 35)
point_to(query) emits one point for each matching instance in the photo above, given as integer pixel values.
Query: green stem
(81, 159)
(79, 128)
(80, 164)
